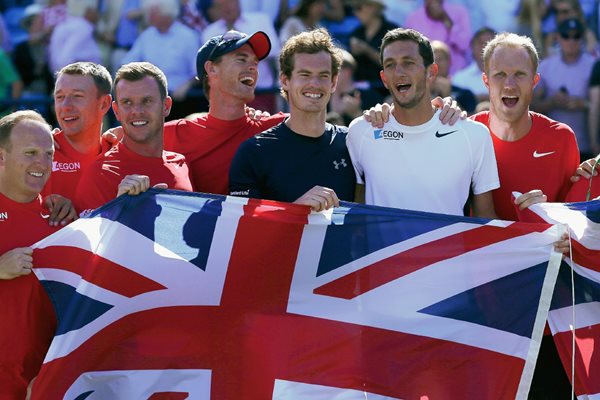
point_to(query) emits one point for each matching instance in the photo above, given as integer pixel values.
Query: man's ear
(168, 103)
(334, 82)
(105, 103)
(536, 79)
(382, 76)
(115, 108)
(432, 71)
(209, 67)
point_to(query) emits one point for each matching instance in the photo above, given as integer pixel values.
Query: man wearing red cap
(227, 67)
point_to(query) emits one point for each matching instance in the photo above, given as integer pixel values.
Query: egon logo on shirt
(388, 135)
(65, 166)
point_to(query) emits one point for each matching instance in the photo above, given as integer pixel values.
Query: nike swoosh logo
(538, 155)
(44, 216)
(437, 134)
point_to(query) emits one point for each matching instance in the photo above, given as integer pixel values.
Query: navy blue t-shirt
(279, 164)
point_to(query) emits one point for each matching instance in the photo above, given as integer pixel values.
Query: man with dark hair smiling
(389, 161)
(141, 105)
(303, 160)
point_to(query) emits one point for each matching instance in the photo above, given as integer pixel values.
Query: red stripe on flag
(399, 265)
(586, 257)
(246, 351)
(587, 358)
(95, 269)
(169, 396)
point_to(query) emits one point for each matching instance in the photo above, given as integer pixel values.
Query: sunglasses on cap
(571, 36)
(229, 37)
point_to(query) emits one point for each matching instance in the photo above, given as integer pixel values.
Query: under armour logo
(342, 163)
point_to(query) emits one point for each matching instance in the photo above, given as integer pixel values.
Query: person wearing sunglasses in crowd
(562, 93)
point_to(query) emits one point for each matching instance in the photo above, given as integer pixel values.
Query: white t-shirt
(429, 167)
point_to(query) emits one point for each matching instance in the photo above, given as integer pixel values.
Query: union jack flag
(183, 295)
(579, 308)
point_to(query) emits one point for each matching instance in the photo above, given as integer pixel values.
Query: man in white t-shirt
(415, 162)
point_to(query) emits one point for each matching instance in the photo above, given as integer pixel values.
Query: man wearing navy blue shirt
(303, 160)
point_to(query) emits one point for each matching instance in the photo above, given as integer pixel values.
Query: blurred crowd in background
(38, 37)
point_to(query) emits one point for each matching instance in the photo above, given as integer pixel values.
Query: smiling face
(235, 75)
(405, 75)
(510, 79)
(311, 83)
(26, 162)
(79, 107)
(141, 111)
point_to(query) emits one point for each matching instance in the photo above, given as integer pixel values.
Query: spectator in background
(499, 15)
(53, 14)
(448, 22)
(5, 39)
(233, 18)
(209, 10)
(346, 99)
(443, 84)
(562, 10)
(365, 41)
(117, 29)
(470, 76)
(191, 15)
(271, 8)
(529, 21)
(73, 40)
(562, 92)
(594, 109)
(30, 56)
(11, 85)
(171, 46)
(306, 17)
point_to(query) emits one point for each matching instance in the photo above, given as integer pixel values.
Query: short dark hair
(480, 32)
(99, 74)
(8, 122)
(310, 42)
(136, 71)
(408, 35)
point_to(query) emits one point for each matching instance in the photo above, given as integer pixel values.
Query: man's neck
(510, 131)
(307, 124)
(414, 116)
(226, 109)
(16, 197)
(152, 149)
(570, 58)
(84, 143)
